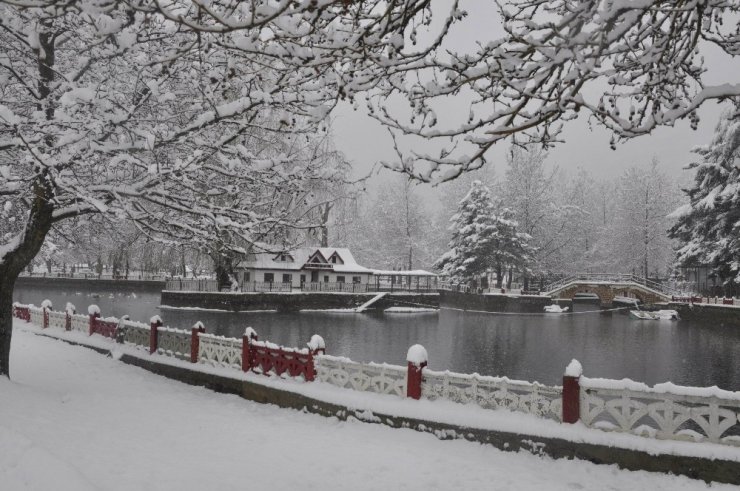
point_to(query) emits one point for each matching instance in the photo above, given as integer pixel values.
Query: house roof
(415, 272)
(265, 260)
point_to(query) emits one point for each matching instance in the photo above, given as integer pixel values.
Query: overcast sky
(365, 142)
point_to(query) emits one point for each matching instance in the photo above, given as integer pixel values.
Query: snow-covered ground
(72, 419)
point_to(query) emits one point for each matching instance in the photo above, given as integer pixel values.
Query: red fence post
(316, 346)
(572, 392)
(94, 312)
(154, 324)
(247, 351)
(69, 311)
(417, 360)
(195, 341)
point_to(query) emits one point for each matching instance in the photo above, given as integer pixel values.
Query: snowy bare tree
(629, 66)
(708, 227)
(140, 110)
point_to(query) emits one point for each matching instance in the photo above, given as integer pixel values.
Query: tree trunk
(499, 275)
(510, 278)
(6, 321)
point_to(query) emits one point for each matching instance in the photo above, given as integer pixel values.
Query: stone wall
(493, 302)
(722, 316)
(291, 302)
(103, 284)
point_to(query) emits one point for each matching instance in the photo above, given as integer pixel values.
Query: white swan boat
(654, 316)
(555, 309)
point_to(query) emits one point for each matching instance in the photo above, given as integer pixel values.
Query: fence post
(154, 324)
(316, 347)
(417, 360)
(45, 308)
(197, 328)
(572, 392)
(247, 354)
(69, 311)
(94, 312)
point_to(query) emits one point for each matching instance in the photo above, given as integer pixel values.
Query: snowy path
(75, 420)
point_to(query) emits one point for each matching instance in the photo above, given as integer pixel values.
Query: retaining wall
(493, 303)
(722, 316)
(118, 285)
(291, 302)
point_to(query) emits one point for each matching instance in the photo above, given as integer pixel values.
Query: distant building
(304, 266)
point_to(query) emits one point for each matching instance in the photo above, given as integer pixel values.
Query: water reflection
(529, 347)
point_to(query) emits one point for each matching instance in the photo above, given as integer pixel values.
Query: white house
(307, 267)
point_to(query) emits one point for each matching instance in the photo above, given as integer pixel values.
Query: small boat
(654, 316)
(555, 309)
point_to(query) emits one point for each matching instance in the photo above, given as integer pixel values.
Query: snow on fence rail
(494, 393)
(368, 377)
(664, 411)
(220, 351)
(707, 300)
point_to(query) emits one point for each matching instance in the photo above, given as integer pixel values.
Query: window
(269, 277)
(340, 279)
(334, 259)
(303, 278)
(246, 277)
(287, 278)
(326, 279)
(357, 279)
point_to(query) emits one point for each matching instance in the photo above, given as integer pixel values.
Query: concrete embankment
(494, 302)
(294, 301)
(720, 315)
(102, 284)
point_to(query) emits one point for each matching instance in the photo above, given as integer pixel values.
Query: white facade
(302, 267)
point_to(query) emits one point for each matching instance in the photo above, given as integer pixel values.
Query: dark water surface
(529, 347)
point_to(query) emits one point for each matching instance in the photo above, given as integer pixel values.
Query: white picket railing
(700, 416)
(81, 323)
(219, 351)
(368, 377)
(135, 334)
(494, 393)
(173, 342)
(57, 319)
(37, 315)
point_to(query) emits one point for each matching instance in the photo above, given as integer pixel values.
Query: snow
(87, 425)
(70, 308)
(417, 355)
(574, 369)
(409, 310)
(46, 304)
(250, 333)
(155, 319)
(316, 342)
(93, 309)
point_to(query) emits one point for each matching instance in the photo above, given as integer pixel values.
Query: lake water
(528, 347)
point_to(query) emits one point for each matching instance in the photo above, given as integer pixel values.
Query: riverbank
(721, 315)
(85, 283)
(89, 382)
(292, 301)
(494, 302)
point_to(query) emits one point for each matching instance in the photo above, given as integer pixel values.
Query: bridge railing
(612, 278)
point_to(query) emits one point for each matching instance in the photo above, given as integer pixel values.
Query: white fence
(665, 415)
(57, 319)
(494, 393)
(81, 323)
(367, 377)
(219, 351)
(37, 315)
(193, 285)
(174, 342)
(135, 333)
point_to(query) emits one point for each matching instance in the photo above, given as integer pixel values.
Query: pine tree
(709, 226)
(484, 238)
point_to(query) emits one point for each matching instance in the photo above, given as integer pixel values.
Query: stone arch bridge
(608, 286)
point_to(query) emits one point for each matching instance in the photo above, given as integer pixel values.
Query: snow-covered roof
(413, 272)
(296, 259)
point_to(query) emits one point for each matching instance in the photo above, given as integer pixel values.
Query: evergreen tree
(484, 238)
(709, 226)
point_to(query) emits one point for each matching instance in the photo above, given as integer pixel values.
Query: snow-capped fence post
(417, 359)
(154, 324)
(247, 353)
(94, 312)
(197, 328)
(69, 311)
(45, 308)
(316, 347)
(572, 392)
